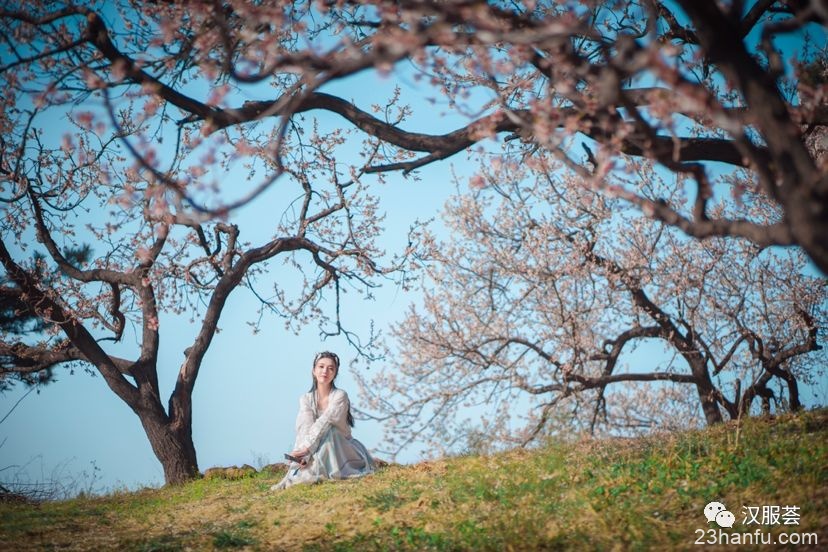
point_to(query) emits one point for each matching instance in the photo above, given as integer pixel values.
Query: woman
(324, 448)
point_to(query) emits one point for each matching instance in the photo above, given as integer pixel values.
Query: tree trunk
(172, 444)
(707, 392)
(793, 390)
(709, 404)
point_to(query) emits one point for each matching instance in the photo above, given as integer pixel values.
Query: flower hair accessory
(326, 354)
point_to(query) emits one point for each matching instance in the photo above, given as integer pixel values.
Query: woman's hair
(333, 357)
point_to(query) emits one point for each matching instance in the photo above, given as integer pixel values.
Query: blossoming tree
(83, 160)
(533, 313)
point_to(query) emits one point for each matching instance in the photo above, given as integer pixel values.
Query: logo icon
(716, 511)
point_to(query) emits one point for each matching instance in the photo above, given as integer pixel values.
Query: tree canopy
(685, 83)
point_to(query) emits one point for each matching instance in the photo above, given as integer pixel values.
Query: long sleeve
(335, 414)
(304, 420)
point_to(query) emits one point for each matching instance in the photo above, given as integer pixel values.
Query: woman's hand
(299, 453)
(303, 455)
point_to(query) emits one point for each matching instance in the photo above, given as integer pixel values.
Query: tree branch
(42, 305)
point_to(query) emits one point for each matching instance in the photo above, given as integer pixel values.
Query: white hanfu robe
(334, 454)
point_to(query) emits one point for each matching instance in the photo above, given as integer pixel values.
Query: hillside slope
(610, 494)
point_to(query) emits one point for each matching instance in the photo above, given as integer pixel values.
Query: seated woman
(324, 448)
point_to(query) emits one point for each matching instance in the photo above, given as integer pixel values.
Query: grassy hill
(604, 494)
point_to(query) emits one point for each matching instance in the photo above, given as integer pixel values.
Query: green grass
(642, 494)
